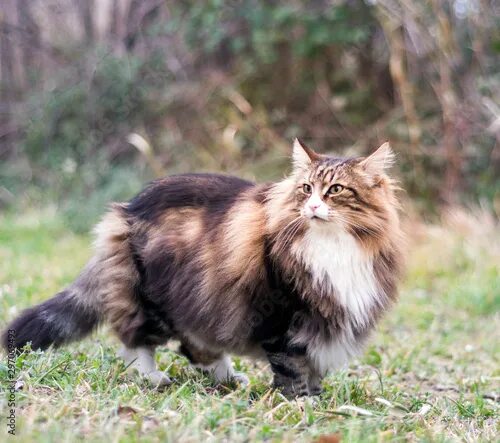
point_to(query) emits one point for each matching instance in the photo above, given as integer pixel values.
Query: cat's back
(198, 241)
(213, 192)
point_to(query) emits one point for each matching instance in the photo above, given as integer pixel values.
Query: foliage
(78, 122)
(74, 138)
(268, 26)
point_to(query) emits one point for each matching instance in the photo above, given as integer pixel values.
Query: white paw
(157, 378)
(128, 355)
(241, 379)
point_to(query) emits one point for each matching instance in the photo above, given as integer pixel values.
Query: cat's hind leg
(217, 364)
(142, 359)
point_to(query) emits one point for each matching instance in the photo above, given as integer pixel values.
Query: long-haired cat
(297, 271)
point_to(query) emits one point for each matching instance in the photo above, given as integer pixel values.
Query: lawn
(431, 372)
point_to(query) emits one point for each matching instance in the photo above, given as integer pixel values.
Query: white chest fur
(336, 259)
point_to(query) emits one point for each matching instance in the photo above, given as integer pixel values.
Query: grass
(431, 372)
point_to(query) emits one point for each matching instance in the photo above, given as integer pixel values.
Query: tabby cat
(297, 271)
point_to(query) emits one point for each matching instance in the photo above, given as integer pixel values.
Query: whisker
(293, 231)
(286, 239)
(287, 234)
(374, 231)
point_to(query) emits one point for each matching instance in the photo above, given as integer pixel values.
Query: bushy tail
(104, 289)
(69, 315)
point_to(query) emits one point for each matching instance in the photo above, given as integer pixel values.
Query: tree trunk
(85, 8)
(449, 105)
(114, 19)
(8, 84)
(133, 24)
(30, 43)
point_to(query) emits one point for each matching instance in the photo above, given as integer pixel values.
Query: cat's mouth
(316, 218)
(311, 216)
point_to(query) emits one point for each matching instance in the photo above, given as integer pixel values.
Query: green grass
(431, 372)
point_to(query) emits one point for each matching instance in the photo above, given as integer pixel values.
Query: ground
(431, 371)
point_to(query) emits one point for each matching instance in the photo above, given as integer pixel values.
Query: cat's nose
(314, 206)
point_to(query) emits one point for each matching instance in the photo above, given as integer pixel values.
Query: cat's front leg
(314, 380)
(291, 373)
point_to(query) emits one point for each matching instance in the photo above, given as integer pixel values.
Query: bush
(75, 136)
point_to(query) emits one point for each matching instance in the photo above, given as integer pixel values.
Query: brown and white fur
(297, 271)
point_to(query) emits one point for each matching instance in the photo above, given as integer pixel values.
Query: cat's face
(352, 193)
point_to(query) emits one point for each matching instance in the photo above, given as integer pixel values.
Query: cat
(297, 272)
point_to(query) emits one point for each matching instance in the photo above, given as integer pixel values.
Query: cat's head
(353, 193)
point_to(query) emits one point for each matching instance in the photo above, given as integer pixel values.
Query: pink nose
(314, 206)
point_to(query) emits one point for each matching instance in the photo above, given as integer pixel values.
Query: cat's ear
(378, 162)
(302, 155)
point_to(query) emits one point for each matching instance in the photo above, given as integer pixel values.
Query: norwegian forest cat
(297, 271)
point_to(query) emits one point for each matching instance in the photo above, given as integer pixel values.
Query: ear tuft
(382, 159)
(302, 155)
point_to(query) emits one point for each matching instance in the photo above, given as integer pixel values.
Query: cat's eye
(335, 189)
(307, 188)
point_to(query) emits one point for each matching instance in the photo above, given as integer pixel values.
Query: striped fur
(296, 271)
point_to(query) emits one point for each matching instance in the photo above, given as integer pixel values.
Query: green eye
(306, 188)
(335, 189)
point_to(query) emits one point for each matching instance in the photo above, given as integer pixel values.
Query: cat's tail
(69, 315)
(77, 310)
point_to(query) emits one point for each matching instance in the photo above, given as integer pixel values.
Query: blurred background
(100, 96)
